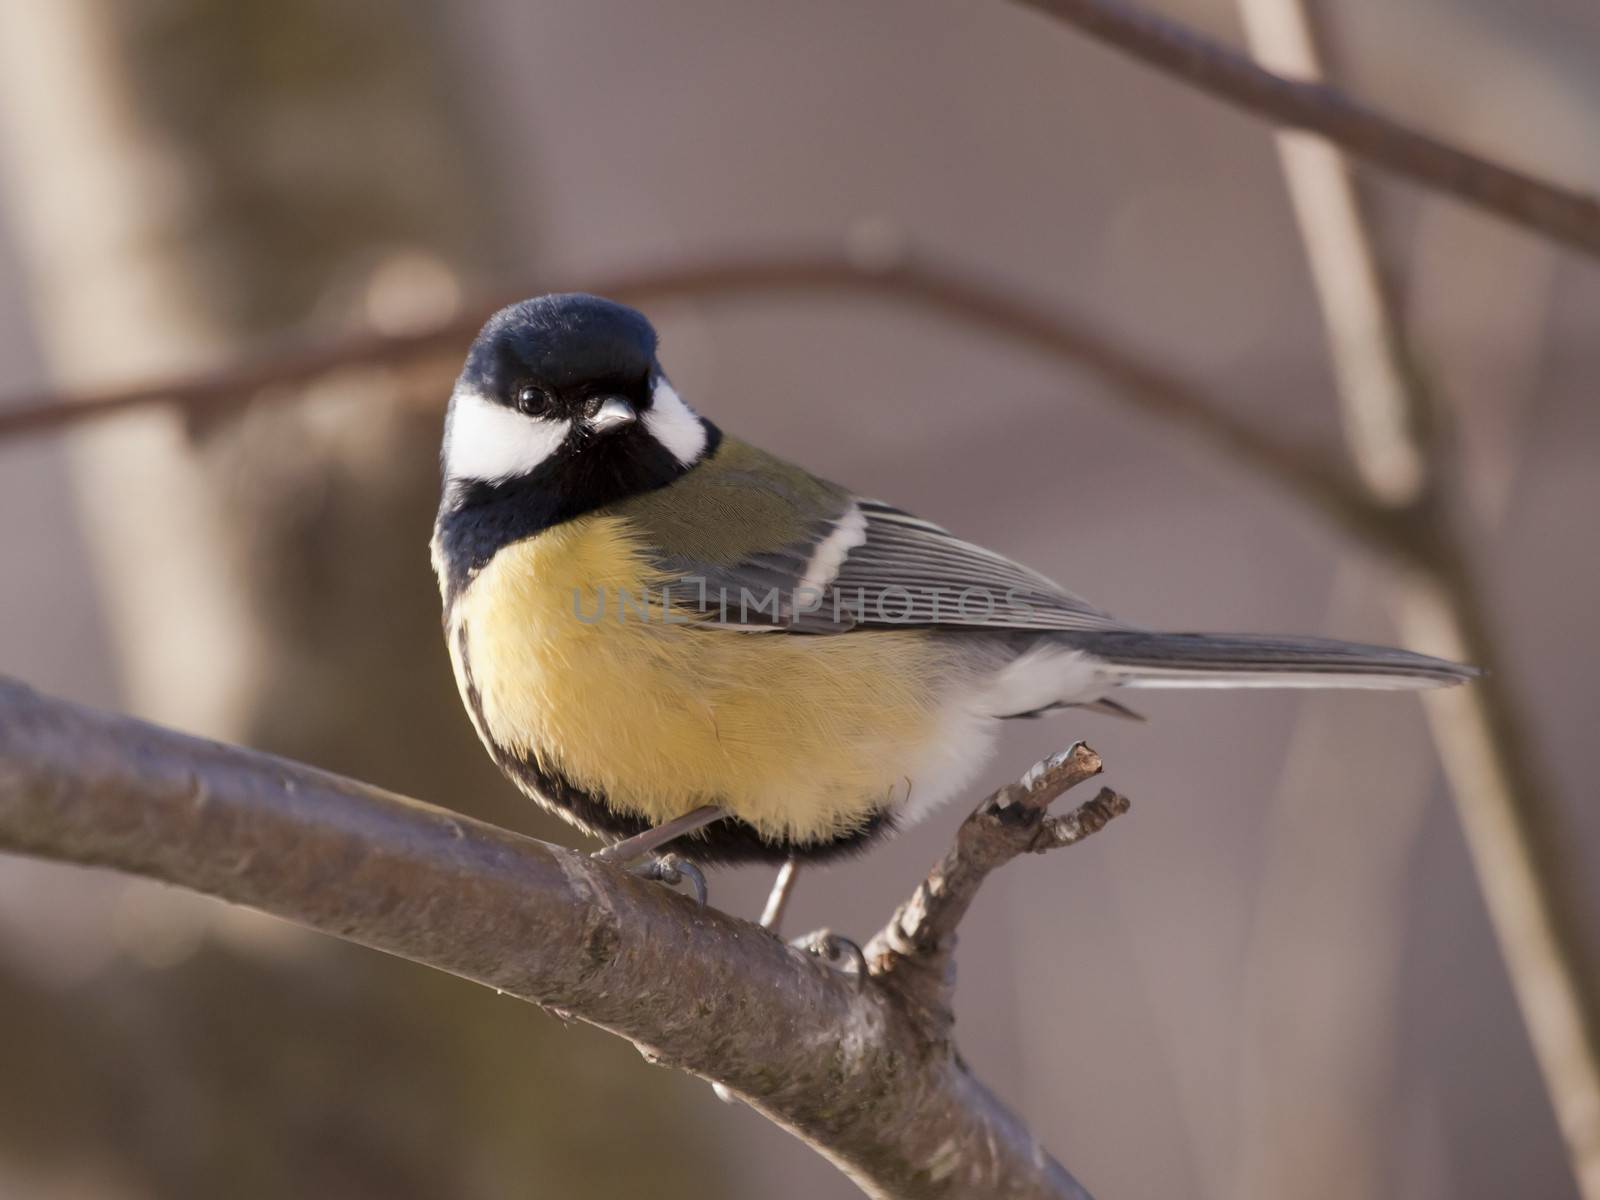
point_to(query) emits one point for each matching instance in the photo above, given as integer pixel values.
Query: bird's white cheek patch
(488, 441)
(672, 423)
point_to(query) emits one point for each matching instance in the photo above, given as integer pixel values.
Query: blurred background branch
(891, 272)
(1569, 217)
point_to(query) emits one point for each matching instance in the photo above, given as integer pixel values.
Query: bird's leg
(651, 840)
(778, 898)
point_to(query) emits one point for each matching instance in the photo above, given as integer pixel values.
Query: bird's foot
(672, 870)
(838, 952)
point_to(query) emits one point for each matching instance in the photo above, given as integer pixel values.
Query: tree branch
(963, 296)
(851, 1067)
(1562, 214)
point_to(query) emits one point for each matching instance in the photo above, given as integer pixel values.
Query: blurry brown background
(1276, 978)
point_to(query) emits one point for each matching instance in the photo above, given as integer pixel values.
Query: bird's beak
(612, 413)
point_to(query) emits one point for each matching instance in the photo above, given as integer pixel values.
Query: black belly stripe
(729, 841)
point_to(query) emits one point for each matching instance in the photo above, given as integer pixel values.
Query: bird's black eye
(531, 400)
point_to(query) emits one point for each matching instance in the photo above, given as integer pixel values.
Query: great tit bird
(658, 627)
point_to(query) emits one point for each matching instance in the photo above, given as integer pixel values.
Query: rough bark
(856, 1067)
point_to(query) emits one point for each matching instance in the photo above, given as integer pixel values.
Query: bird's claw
(838, 952)
(672, 870)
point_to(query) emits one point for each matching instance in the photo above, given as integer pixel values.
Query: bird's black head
(564, 348)
(562, 407)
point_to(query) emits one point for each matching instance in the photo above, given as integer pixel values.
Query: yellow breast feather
(801, 736)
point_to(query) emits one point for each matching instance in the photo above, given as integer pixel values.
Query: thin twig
(845, 1064)
(1387, 414)
(1562, 214)
(916, 948)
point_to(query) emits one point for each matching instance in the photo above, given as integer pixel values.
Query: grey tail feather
(1110, 708)
(1103, 706)
(1263, 660)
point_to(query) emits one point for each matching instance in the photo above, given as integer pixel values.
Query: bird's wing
(904, 570)
(848, 563)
